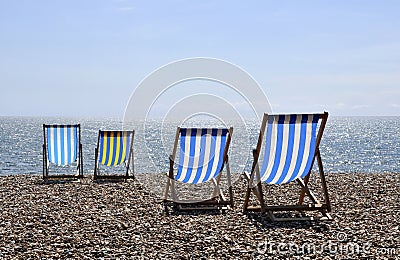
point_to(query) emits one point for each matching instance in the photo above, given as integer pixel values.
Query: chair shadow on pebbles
(263, 222)
(58, 181)
(170, 209)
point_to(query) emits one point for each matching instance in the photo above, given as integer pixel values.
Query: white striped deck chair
(291, 146)
(202, 157)
(114, 148)
(62, 146)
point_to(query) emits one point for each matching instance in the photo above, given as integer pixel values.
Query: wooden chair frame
(323, 207)
(46, 164)
(129, 173)
(218, 199)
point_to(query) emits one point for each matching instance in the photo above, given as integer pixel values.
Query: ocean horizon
(365, 144)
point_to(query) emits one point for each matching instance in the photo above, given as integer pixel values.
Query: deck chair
(202, 157)
(62, 146)
(114, 148)
(291, 146)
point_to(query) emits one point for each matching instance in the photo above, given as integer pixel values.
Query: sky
(86, 57)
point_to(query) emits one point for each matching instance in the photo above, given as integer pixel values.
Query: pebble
(120, 221)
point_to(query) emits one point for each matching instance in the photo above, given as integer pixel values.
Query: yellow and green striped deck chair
(114, 148)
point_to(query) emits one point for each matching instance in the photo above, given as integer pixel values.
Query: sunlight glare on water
(349, 144)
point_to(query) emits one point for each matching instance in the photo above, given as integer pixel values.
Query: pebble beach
(124, 220)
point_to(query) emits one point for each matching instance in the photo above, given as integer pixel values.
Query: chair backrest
(202, 154)
(62, 143)
(114, 147)
(290, 146)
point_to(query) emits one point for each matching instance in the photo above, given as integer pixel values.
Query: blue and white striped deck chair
(62, 146)
(114, 148)
(291, 146)
(202, 156)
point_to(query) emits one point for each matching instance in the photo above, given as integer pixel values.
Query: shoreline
(124, 220)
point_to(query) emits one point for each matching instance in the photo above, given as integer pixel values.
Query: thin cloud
(360, 106)
(340, 105)
(364, 79)
(125, 9)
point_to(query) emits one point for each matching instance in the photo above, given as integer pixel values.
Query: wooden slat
(190, 208)
(304, 207)
(59, 177)
(113, 177)
(254, 208)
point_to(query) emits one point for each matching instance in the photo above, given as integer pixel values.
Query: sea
(349, 144)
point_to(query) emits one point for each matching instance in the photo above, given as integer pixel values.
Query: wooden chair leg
(231, 196)
(81, 157)
(303, 190)
(259, 185)
(230, 189)
(247, 197)
(167, 189)
(323, 181)
(308, 191)
(216, 181)
(44, 161)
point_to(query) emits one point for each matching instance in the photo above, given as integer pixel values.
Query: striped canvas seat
(61, 146)
(202, 155)
(291, 146)
(114, 148)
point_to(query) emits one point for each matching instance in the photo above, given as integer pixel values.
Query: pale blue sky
(85, 58)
